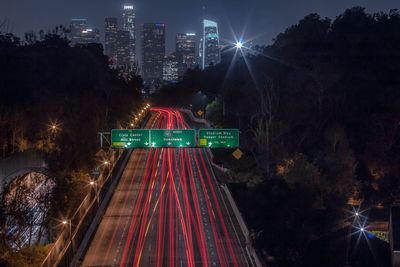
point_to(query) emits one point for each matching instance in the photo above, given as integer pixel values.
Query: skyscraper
(76, 27)
(111, 46)
(210, 53)
(89, 36)
(128, 17)
(80, 33)
(153, 51)
(123, 51)
(186, 51)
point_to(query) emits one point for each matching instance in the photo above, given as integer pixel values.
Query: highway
(168, 210)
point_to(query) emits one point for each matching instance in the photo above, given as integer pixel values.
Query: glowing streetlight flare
(239, 45)
(64, 222)
(91, 183)
(54, 126)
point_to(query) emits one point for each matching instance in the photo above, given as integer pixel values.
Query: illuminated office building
(129, 19)
(210, 53)
(153, 51)
(110, 38)
(186, 52)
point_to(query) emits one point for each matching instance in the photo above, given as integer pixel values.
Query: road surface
(168, 210)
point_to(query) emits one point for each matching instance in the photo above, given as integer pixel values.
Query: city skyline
(264, 19)
(200, 133)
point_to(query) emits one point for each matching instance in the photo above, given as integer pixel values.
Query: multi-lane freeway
(168, 210)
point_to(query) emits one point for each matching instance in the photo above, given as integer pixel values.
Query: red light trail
(176, 217)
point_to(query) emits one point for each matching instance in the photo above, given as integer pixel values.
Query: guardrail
(67, 244)
(63, 250)
(250, 251)
(249, 248)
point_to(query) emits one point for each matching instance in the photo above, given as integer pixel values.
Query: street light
(68, 222)
(356, 214)
(239, 45)
(54, 128)
(93, 184)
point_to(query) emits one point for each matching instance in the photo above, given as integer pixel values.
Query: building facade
(89, 36)
(210, 53)
(123, 51)
(186, 52)
(80, 33)
(129, 19)
(110, 40)
(76, 27)
(153, 51)
(171, 69)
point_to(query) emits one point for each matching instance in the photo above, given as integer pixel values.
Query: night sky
(264, 18)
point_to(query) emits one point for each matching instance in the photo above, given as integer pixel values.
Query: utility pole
(104, 135)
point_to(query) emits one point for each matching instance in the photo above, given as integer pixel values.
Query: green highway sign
(227, 138)
(140, 138)
(137, 138)
(173, 138)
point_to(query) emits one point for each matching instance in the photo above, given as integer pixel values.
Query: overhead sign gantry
(141, 138)
(175, 138)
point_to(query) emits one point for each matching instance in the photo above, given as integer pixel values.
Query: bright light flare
(356, 214)
(239, 45)
(54, 126)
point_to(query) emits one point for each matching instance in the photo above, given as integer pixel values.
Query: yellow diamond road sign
(237, 154)
(200, 112)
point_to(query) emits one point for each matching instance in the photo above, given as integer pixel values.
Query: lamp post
(93, 185)
(348, 245)
(356, 216)
(68, 224)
